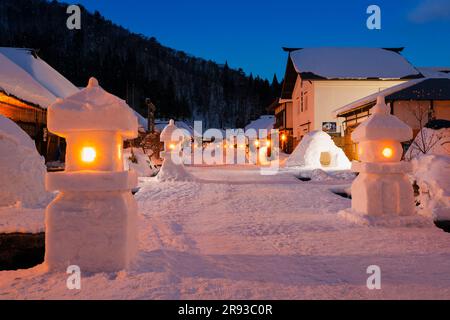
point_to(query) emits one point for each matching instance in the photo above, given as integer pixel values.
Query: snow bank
(431, 173)
(22, 169)
(21, 220)
(142, 164)
(310, 149)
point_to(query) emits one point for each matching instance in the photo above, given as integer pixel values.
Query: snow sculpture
(22, 169)
(172, 168)
(92, 223)
(382, 186)
(317, 150)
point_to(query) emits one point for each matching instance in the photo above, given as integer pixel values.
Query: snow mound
(431, 173)
(22, 169)
(172, 172)
(141, 163)
(314, 145)
(320, 175)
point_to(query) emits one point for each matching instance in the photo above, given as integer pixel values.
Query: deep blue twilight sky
(250, 33)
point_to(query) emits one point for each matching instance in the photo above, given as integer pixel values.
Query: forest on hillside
(134, 67)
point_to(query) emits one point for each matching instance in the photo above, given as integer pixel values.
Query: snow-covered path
(235, 234)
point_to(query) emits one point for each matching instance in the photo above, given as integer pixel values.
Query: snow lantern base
(364, 219)
(382, 189)
(95, 230)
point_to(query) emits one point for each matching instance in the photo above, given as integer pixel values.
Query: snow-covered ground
(235, 234)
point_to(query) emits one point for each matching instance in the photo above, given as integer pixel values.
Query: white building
(319, 80)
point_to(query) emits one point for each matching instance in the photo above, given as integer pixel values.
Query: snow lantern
(382, 186)
(167, 137)
(172, 168)
(92, 223)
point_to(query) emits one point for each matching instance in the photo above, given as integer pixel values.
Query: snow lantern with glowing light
(92, 223)
(168, 137)
(172, 168)
(382, 187)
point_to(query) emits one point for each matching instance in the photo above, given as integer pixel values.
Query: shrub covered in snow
(431, 173)
(430, 157)
(22, 169)
(135, 159)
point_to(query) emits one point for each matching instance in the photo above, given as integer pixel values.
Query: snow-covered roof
(351, 63)
(29, 78)
(373, 97)
(435, 72)
(431, 88)
(263, 122)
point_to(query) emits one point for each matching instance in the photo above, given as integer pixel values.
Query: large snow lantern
(382, 186)
(92, 223)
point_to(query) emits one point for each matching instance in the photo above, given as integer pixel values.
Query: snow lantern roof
(381, 125)
(92, 109)
(351, 63)
(30, 79)
(166, 134)
(161, 124)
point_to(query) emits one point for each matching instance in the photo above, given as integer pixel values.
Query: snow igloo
(22, 168)
(318, 150)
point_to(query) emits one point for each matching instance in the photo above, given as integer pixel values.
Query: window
(298, 105)
(306, 101)
(301, 102)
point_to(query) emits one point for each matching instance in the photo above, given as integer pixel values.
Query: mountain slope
(133, 66)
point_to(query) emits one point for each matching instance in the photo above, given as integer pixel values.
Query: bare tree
(427, 138)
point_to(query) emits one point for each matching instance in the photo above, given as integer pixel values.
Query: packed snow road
(235, 234)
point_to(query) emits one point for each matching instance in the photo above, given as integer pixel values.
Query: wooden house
(28, 85)
(319, 80)
(415, 102)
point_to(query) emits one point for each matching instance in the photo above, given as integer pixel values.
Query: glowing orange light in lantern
(283, 137)
(387, 152)
(171, 146)
(88, 154)
(268, 143)
(256, 143)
